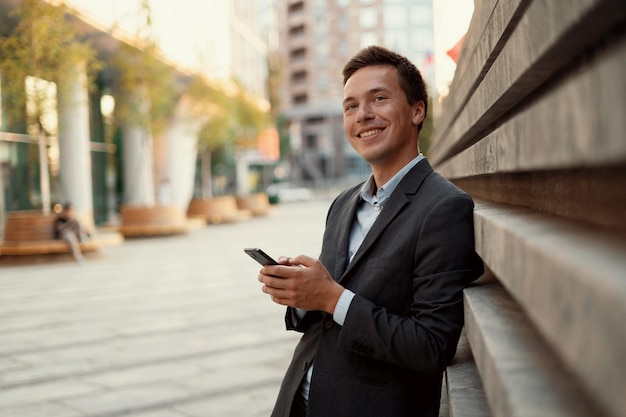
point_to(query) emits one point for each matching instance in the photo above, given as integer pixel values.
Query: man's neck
(383, 173)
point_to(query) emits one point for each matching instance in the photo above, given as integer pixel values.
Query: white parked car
(287, 192)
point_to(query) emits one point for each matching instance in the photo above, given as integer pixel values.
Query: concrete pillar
(243, 174)
(137, 164)
(137, 154)
(177, 155)
(74, 149)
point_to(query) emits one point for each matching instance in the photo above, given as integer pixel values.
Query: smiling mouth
(369, 133)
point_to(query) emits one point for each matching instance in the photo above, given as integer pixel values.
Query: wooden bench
(258, 204)
(138, 221)
(30, 232)
(216, 210)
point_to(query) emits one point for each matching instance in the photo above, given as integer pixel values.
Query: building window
(421, 14)
(368, 18)
(322, 83)
(397, 40)
(299, 99)
(321, 25)
(310, 142)
(296, 30)
(369, 39)
(342, 23)
(319, 5)
(321, 52)
(422, 40)
(342, 48)
(296, 7)
(356, 167)
(395, 16)
(298, 54)
(298, 77)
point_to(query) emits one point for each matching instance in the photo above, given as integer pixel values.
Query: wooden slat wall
(535, 129)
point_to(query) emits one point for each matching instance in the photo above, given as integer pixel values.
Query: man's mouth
(369, 133)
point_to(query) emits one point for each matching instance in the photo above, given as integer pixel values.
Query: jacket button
(328, 324)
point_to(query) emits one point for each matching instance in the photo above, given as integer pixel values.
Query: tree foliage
(44, 45)
(231, 116)
(210, 104)
(248, 118)
(145, 88)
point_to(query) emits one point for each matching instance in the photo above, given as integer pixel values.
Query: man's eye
(350, 107)
(379, 98)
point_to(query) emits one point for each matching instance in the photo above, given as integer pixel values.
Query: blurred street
(157, 327)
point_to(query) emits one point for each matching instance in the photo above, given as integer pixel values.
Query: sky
(451, 21)
(186, 31)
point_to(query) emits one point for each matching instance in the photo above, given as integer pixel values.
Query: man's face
(377, 118)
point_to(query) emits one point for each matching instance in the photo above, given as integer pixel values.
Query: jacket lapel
(344, 232)
(396, 203)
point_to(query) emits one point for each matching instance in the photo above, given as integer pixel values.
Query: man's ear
(418, 112)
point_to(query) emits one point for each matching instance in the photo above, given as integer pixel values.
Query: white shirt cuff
(300, 312)
(341, 309)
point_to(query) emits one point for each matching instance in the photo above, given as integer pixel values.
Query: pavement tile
(38, 393)
(158, 327)
(163, 412)
(41, 410)
(256, 402)
(127, 399)
(146, 374)
(232, 379)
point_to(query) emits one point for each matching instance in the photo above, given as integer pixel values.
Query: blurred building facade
(317, 38)
(234, 50)
(232, 47)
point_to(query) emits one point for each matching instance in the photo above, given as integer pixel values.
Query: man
(66, 227)
(381, 310)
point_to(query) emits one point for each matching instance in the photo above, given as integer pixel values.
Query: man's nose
(364, 112)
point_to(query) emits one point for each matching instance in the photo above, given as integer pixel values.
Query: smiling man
(381, 309)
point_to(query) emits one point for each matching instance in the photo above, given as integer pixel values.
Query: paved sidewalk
(158, 327)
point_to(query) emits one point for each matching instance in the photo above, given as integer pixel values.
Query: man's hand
(301, 282)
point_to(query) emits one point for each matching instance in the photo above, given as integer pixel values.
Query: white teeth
(370, 133)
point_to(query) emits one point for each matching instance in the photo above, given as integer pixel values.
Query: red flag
(427, 62)
(428, 59)
(455, 51)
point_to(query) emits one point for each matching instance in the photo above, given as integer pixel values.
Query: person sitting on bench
(66, 227)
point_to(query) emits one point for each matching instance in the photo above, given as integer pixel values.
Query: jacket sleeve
(425, 337)
(300, 324)
(295, 321)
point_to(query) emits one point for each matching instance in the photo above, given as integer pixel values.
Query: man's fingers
(281, 301)
(279, 296)
(274, 282)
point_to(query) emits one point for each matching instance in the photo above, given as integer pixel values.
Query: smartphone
(260, 256)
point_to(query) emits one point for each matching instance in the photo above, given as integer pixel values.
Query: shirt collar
(384, 191)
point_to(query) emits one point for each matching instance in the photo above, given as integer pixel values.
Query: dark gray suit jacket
(403, 325)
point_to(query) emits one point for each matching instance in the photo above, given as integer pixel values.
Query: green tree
(233, 119)
(43, 45)
(145, 89)
(211, 104)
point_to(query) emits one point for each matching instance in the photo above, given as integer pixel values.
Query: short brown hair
(409, 77)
